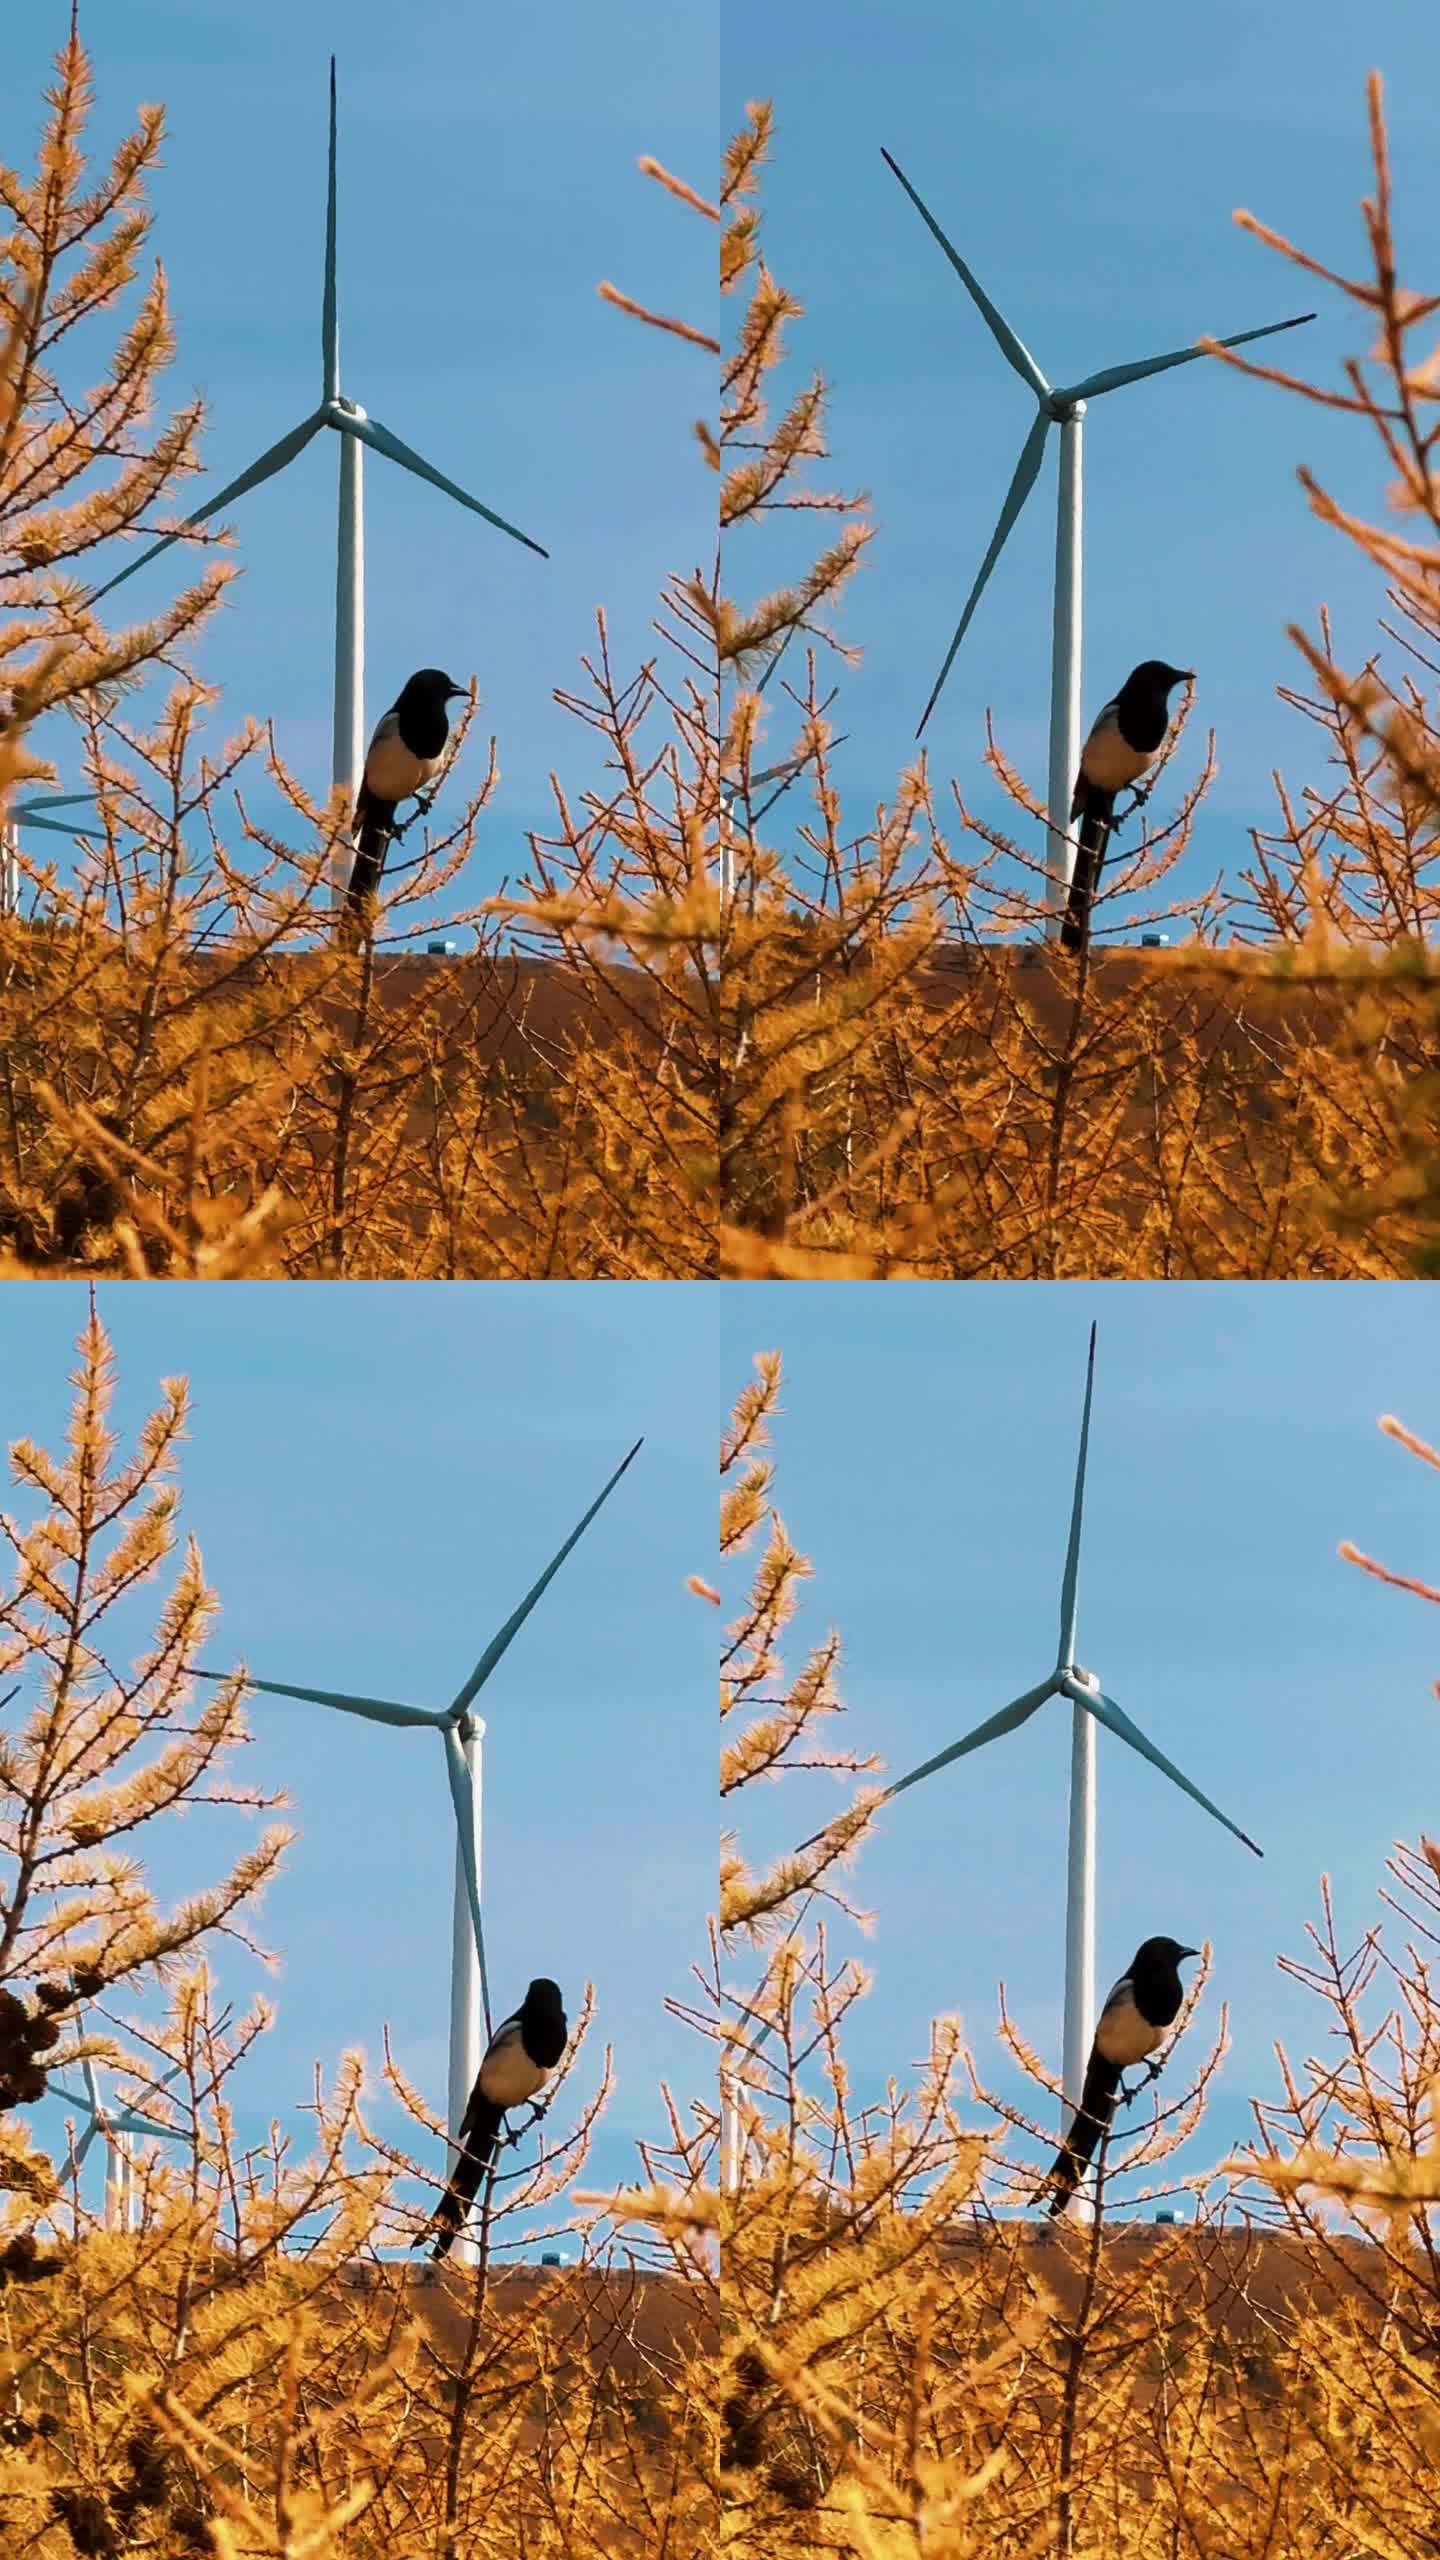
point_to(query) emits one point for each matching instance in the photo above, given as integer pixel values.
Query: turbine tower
(1090, 1707)
(120, 2127)
(356, 430)
(461, 1733)
(1065, 409)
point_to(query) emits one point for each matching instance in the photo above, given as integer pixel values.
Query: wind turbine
(731, 2084)
(461, 1733)
(35, 813)
(1065, 409)
(356, 430)
(120, 2127)
(1090, 1706)
(783, 773)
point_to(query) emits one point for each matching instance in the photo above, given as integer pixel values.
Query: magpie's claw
(1151, 2072)
(424, 803)
(517, 2132)
(1139, 794)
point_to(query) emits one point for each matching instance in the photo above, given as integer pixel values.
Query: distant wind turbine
(1090, 1707)
(783, 773)
(120, 2128)
(1065, 409)
(355, 430)
(461, 1732)
(35, 813)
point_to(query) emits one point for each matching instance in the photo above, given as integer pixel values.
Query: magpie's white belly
(392, 772)
(1123, 2036)
(508, 2076)
(1108, 762)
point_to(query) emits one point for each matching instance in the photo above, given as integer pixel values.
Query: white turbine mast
(1090, 1706)
(462, 1733)
(356, 429)
(1064, 408)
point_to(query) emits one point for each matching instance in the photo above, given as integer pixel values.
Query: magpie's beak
(457, 693)
(1187, 1951)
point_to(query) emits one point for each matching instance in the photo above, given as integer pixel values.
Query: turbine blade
(1019, 490)
(463, 1799)
(1070, 1584)
(1017, 1713)
(130, 2120)
(1117, 375)
(779, 654)
(62, 2089)
(149, 2085)
(53, 826)
(51, 800)
(265, 469)
(499, 1643)
(380, 439)
(1115, 1720)
(1011, 347)
(329, 323)
(377, 1710)
(86, 2138)
(92, 2086)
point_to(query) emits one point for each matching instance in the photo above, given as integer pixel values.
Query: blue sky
(925, 1459)
(375, 1475)
(1087, 164)
(487, 183)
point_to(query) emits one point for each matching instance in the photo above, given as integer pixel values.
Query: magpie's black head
(1154, 676)
(431, 684)
(1166, 1951)
(543, 1997)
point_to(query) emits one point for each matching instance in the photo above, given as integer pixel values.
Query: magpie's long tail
(371, 826)
(1097, 2105)
(1096, 812)
(465, 2180)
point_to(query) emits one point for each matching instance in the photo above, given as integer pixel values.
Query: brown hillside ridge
(1003, 1111)
(1243, 2277)
(1040, 974)
(1052, 989)
(642, 2324)
(1246, 1024)
(1243, 2285)
(410, 1113)
(641, 2331)
(519, 1005)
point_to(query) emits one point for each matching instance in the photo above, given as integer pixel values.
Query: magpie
(1139, 2008)
(402, 757)
(518, 2061)
(1124, 742)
